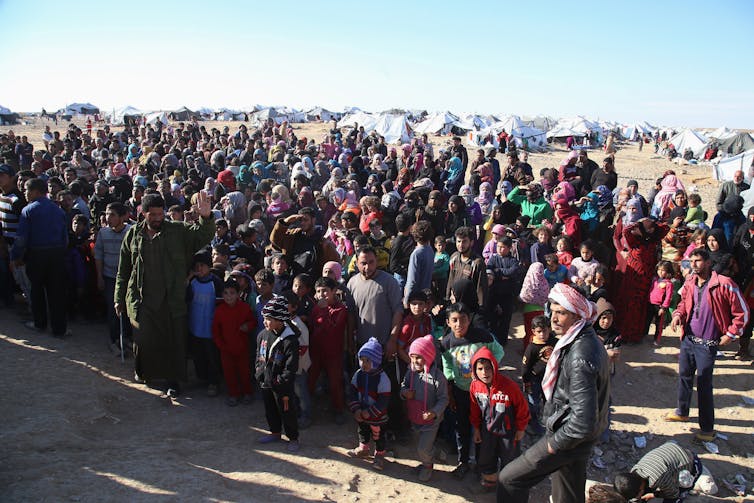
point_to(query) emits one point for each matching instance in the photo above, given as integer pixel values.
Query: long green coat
(181, 241)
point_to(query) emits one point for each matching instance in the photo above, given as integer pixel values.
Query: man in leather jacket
(577, 388)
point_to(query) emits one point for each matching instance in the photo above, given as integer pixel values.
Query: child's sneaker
(425, 473)
(460, 471)
(362, 451)
(379, 461)
(269, 438)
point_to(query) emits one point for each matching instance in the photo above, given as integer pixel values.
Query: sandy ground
(76, 428)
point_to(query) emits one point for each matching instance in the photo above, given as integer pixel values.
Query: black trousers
(463, 424)
(47, 276)
(568, 469)
(206, 358)
(376, 432)
(277, 418)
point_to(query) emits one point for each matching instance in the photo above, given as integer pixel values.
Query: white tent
(394, 128)
(361, 118)
(436, 123)
(473, 122)
(564, 132)
(81, 109)
(724, 170)
(687, 138)
(5, 111)
(319, 113)
(154, 117)
(529, 138)
(120, 115)
(542, 122)
(721, 133)
(223, 114)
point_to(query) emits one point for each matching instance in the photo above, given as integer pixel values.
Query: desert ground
(77, 428)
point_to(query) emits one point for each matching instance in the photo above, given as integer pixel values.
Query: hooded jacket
(501, 406)
(277, 359)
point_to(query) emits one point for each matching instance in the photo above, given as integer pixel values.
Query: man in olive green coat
(151, 286)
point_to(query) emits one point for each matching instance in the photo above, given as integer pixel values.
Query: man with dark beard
(150, 285)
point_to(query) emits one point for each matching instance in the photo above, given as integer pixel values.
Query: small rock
(598, 463)
(722, 436)
(640, 442)
(711, 447)
(597, 451)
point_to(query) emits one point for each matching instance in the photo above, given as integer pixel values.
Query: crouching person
(667, 472)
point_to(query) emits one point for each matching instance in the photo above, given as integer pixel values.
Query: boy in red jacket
(499, 415)
(231, 325)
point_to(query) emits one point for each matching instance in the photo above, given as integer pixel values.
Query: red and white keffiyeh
(570, 299)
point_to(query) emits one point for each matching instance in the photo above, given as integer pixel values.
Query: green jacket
(181, 242)
(537, 211)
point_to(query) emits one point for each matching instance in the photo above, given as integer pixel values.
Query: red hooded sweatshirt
(502, 404)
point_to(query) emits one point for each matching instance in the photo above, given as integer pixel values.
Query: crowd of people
(386, 277)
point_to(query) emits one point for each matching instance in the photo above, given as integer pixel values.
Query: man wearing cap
(304, 245)
(150, 286)
(576, 385)
(11, 204)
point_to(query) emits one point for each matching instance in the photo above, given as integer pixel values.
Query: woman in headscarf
(403, 182)
(661, 204)
(370, 210)
(280, 202)
(457, 217)
(235, 206)
(475, 211)
(455, 176)
(720, 254)
(350, 203)
(642, 239)
(534, 292)
(486, 199)
(730, 217)
(320, 176)
(306, 198)
(332, 183)
(377, 165)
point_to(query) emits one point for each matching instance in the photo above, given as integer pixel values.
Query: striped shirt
(661, 466)
(107, 249)
(11, 205)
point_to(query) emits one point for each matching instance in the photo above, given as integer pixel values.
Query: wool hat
(277, 309)
(372, 350)
(425, 347)
(498, 229)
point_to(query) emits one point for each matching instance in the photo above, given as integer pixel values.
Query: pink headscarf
(570, 299)
(535, 288)
(334, 267)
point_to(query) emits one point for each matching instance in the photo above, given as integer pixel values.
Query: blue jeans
(699, 359)
(302, 393)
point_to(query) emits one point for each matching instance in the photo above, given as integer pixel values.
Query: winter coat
(431, 394)
(501, 406)
(277, 360)
(730, 311)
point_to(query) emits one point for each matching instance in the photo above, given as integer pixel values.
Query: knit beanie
(277, 309)
(372, 350)
(424, 347)
(335, 267)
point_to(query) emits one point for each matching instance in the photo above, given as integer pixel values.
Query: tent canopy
(735, 144)
(436, 123)
(120, 115)
(688, 138)
(81, 109)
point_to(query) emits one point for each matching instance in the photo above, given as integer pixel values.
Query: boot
(743, 349)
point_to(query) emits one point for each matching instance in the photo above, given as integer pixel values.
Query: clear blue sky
(668, 62)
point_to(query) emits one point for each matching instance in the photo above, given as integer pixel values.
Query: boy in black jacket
(275, 371)
(504, 275)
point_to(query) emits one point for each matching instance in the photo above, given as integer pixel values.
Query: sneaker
(212, 390)
(293, 446)
(460, 471)
(676, 418)
(138, 379)
(358, 452)
(172, 393)
(231, 401)
(269, 438)
(379, 462)
(425, 473)
(304, 423)
(705, 436)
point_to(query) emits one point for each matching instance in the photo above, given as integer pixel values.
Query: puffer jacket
(577, 412)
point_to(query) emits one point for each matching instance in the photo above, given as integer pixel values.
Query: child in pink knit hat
(425, 390)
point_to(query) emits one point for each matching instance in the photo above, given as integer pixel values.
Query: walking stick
(122, 356)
